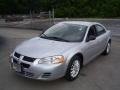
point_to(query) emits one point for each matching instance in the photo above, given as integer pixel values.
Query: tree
(63, 8)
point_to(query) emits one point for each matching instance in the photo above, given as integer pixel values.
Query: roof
(80, 22)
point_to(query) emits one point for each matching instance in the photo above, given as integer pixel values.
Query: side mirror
(91, 37)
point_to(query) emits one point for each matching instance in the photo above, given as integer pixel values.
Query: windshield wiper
(53, 38)
(58, 39)
(45, 36)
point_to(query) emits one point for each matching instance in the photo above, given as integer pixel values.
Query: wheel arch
(81, 57)
(109, 41)
(69, 62)
(76, 54)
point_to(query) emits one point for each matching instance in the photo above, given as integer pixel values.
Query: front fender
(69, 56)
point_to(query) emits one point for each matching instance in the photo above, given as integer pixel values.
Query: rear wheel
(73, 69)
(107, 49)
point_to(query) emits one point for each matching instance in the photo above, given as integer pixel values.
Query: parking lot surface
(103, 73)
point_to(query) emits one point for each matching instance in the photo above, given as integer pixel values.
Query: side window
(92, 31)
(100, 30)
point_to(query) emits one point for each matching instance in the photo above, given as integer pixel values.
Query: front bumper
(37, 71)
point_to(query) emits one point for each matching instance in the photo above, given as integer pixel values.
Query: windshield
(65, 32)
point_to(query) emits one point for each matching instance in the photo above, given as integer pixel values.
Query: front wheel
(73, 69)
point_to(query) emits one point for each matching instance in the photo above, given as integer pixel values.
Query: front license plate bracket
(17, 67)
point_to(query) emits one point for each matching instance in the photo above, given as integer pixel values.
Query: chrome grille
(17, 55)
(24, 65)
(25, 58)
(15, 61)
(29, 59)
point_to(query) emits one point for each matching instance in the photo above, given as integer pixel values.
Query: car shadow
(2, 41)
(33, 82)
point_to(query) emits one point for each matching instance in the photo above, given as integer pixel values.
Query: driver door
(91, 46)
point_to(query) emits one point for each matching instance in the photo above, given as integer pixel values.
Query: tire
(73, 68)
(107, 49)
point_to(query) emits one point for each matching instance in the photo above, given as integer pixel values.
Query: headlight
(52, 60)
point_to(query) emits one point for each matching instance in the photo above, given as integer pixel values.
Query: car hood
(38, 47)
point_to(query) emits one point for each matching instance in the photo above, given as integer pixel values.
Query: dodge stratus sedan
(61, 51)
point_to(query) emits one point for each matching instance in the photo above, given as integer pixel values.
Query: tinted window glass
(92, 31)
(100, 30)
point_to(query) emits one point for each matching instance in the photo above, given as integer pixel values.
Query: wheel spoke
(75, 68)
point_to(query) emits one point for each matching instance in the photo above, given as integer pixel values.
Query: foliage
(63, 8)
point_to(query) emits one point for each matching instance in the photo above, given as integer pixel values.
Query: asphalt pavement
(103, 73)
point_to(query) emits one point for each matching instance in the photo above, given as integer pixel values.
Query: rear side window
(100, 30)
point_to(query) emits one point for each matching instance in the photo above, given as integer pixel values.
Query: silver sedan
(61, 51)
